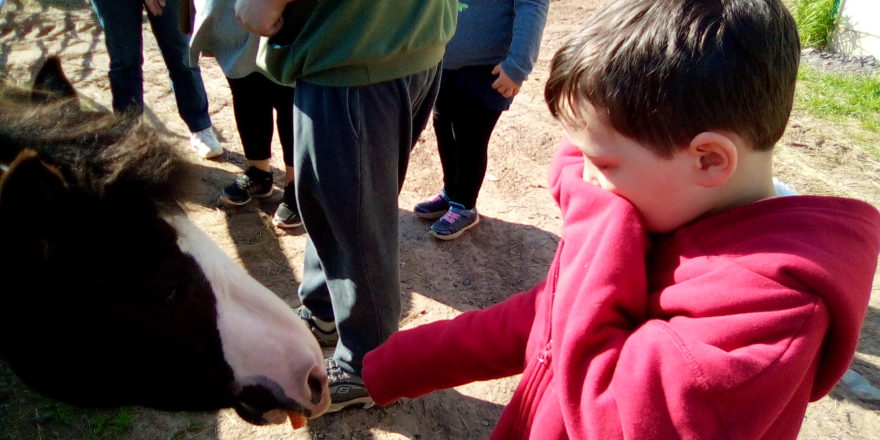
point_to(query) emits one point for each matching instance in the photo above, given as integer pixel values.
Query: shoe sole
(213, 153)
(362, 402)
(455, 235)
(430, 215)
(229, 202)
(281, 225)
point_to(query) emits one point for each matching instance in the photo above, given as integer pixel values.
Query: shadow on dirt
(19, 21)
(436, 419)
(872, 320)
(484, 266)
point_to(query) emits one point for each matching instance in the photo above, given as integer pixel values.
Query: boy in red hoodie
(687, 298)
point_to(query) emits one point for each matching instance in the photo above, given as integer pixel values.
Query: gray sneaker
(325, 332)
(286, 217)
(346, 388)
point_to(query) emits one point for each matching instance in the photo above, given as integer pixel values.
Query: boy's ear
(715, 158)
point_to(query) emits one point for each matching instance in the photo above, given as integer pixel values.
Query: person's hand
(262, 17)
(507, 87)
(155, 6)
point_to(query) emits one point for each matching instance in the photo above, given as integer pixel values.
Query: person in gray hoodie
(217, 33)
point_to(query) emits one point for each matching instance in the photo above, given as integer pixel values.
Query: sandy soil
(507, 253)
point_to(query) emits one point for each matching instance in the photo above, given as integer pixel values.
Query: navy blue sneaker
(434, 208)
(455, 222)
(254, 183)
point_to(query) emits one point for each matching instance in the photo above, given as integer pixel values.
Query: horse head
(111, 295)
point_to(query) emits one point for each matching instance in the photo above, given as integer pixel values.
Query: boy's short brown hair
(663, 71)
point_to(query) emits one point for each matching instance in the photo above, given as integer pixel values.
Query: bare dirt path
(507, 253)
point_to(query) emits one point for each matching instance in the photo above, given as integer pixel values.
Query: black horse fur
(99, 306)
(85, 255)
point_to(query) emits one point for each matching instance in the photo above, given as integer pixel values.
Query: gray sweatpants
(352, 150)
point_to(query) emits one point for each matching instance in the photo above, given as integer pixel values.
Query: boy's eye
(601, 165)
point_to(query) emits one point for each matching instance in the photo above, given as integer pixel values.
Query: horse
(110, 295)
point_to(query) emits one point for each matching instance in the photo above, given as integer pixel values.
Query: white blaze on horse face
(261, 336)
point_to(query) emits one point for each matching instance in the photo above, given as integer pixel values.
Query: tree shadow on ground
(428, 417)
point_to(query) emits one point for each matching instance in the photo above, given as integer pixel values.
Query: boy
(686, 299)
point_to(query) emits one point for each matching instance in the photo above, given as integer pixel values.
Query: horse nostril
(316, 386)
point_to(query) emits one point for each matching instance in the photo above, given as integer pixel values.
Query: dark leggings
(253, 98)
(463, 127)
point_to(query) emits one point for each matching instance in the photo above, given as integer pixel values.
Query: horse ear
(51, 84)
(30, 194)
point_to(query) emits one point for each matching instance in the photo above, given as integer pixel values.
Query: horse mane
(100, 153)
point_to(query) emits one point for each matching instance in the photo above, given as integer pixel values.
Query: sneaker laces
(335, 372)
(451, 217)
(455, 212)
(440, 197)
(245, 182)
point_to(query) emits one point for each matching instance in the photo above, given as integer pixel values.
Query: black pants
(463, 125)
(253, 98)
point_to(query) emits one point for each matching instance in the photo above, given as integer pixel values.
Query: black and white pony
(110, 296)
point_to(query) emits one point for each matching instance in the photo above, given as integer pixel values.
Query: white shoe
(205, 143)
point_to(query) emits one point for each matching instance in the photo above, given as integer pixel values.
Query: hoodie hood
(827, 246)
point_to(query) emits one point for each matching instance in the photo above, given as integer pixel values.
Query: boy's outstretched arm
(477, 345)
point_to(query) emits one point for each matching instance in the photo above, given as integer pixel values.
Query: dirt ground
(509, 252)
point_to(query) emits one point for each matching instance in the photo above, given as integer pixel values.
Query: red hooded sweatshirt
(724, 329)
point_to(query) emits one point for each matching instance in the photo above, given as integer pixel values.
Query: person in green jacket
(367, 74)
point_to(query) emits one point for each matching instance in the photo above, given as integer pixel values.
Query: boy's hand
(262, 17)
(155, 6)
(507, 87)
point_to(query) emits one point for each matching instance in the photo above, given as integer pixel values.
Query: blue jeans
(351, 155)
(122, 21)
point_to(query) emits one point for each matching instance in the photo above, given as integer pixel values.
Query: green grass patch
(25, 415)
(840, 97)
(815, 20)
